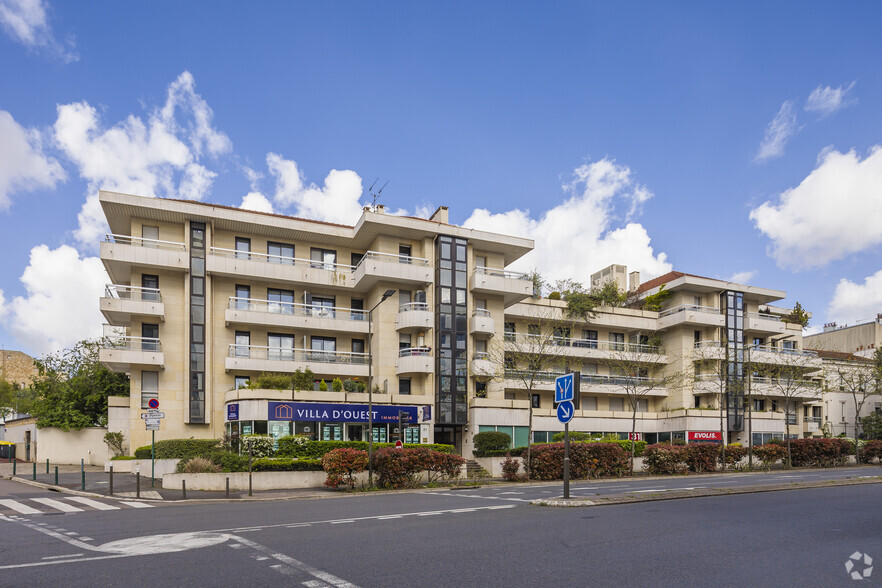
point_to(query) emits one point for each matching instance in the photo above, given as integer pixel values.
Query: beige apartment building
(204, 299)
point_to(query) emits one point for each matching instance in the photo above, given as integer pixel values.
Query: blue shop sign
(232, 412)
(340, 413)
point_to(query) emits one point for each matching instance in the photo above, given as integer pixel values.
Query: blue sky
(734, 141)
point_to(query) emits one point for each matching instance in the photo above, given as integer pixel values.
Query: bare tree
(856, 377)
(710, 371)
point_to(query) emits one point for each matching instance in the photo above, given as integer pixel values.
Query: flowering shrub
(871, 450)
(341, 465)
(770, 453)
(822, 453)
(664, 459)
(702, 457)
(586, 459)
(397, 468)
(510, 468)
(734, 454)
(438, 465)
(261, 445)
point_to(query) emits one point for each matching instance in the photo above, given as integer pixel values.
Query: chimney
(633, 281)
(440, 215)
(381, 209)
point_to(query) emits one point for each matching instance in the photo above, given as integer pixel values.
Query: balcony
(482, 323)
(375, 267)
(120, 303)
(584, 348)
(767, 323)
(251, 311)
(414, 317)
(277, 268)
(513, 286)
(415, 360)
(690, 314)
(482, 365)
(123, 354)
(255, 358)
(590, 383)
(120, 252)
(708, 350)
(789, 357)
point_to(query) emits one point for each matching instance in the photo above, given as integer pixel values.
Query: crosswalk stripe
(136, 504)
(57, 505)
(93, 503)
(19, 507)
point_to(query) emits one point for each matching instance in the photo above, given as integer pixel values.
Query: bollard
(228, 486)
(138, 484)
(184, 488)
(84, 480)
(56, 475)
(47, 466)
(35, 471)
(249, 469)
(13, 467)
(111, 481)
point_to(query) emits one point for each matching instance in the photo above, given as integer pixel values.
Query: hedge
(515, 452)
(342, 465)
(871, 450)
(398, 468)
(663, 459)
(285, 464)
(492, 441)
(586, 460)
(821, 453)
(291, 446)
(179, 449)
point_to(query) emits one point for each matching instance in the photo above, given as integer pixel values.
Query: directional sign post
(564, 394)
(151, 420)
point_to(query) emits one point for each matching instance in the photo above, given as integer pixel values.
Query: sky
(738, 141)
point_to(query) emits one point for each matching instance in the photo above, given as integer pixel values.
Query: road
(448, 538)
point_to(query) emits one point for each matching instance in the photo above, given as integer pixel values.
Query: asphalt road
(460, 538)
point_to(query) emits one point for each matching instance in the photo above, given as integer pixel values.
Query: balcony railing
(132, 343)
(482, 312)
(296, 309)
(707, 345)
(412, 306)
(122, 292)
(542, 340)
(782, 350)
(414, 351)
(765, 316)
(689, 308)
(300, 355)
(589, 378)
(406, 259)
(481, 356)
(813, 419)
(281, 260)
(142, 242)
(501, 273)
(785, 382)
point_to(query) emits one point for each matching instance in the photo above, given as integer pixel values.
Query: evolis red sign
(705, 436)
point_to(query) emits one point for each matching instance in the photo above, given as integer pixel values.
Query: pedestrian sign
(565, 411)
(564, 388)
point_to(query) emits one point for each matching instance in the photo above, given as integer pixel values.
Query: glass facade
(197, 323)
(732, 304)
(451, 331)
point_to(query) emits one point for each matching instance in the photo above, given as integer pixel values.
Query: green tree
(654, 302)
(797, 316)
(872, 425)
(72, 387)
(609, 294)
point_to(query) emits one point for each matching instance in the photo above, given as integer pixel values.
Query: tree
(857, 379)
(872, 425)
(798, 316)
(654, 302)
(14, 399)
(708, 360)
(531, 359)
(72, 387)
(302, 380)
(609, 294)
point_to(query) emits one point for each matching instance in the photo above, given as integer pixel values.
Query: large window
(150, 337)
(451, 329)
(151, 288)
(280, 347)
(280, 253)
(149, 387)
(323, 258)
(323, 348)
(617, 341)
(617, 404)
(404, 385)
(243, 343)
(322, 306)
(243, 248)
(243, 295)
(280, 301)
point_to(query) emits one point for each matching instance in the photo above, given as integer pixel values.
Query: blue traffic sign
(564, 388)
(565, 411)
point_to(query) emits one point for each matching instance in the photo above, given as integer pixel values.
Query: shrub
(822, 453)
(337, 385)
(554, 296)
(510, 469)
(516, 451)
(734, 454)
(303, 447)
(289, 444)
(871, 451)
(586, 460)
(349, 385)
(342, 465)
(664, 459)
(439, 465)
(323, 386)
(179, 448)
(574, 436)
(285, 464)
(270, 381)
(872, 426)
(228, 461)
(260, 445)
(197, 465)
(492, 440)
(702, 457)
(639, 447)
(397, 468)
(115, 442)
(769, 453)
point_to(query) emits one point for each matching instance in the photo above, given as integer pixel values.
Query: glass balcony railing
(542, 340)
(131, 343)
(298, 355)
(689, 308)
(123, 292)
(414, 351)
(296, 309)
(501, 273)
(414, 306)
(142, 242)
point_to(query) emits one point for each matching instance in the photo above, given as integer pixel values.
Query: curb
(702, 493)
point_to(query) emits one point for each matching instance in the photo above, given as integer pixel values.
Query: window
(697, 336)
(355, 259)
(480, 261)
(535, 400)
(758, 342)
(480, 389)
(589, 402)
(617, 404)
(404, 341)
(323, 258)
(562, 336)
(510, 363)
(403, 298)
(243, 295)
(149, 337)
(697, 401)
(617, 341)
(696, 300)
(775, 405)
(322, 306)
(404, 385)
(280, 253)
(241, 382)
(509, 331)
(589, 369)
(357, 306)
(149, 387)
(788, 346)
(589, 339)
(358, 346)
(243, 343)
(510, 396)
(280, 347)
(842, 410)
(150, 236)
(404, 253)
(243, 248)
(759, 404)
(280, 301)
(323, 348)
(151, 288)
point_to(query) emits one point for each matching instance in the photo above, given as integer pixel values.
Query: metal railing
(481, 356)
(411, 306)
(142, 242)
(482, 312)
(582, 343)
(785, 382)
(707, 345)
(765, 316)
(414, 351)
(405, 259)
(689, 307)
(123, 292)
(589, 378)
(501, 273)
(132, 343)
(296, 309)
(813, 419)
(282, 260)
(782, 350)
(298, 355)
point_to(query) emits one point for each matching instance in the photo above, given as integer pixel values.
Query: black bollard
(184, 488)
(111, 481)
(56, 475)
(138, 484)
(228, 486)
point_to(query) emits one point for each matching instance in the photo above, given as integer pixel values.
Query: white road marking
(57, 505)
(296, 564)
(19, 507)
(314, 584)
(93, 503)
(63, 556)
(134, 504)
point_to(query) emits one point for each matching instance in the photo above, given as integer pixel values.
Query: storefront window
(332, 432)
(308, 428)
(279, 429)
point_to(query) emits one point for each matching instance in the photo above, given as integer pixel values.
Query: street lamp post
(370, 386)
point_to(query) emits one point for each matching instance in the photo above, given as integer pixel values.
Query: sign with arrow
(565, 411)
(564, 388)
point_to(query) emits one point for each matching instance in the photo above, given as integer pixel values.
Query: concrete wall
(70, 447)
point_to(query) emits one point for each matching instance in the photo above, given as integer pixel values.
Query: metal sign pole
(566, 472)
(152, 458)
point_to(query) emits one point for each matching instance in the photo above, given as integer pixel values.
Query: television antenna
(376, 195)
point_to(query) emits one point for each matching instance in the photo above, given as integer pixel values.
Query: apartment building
(861, 338)
(206, 299)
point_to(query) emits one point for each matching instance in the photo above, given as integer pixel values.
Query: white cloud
(779, 131)
(576, 238)
(826, 100)
(741, 277)
(60, 307)
(156, 157)
(23, 165)
(337, 201)
(833, 212)
(852, 302)
(25, 21)
(256, 201)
